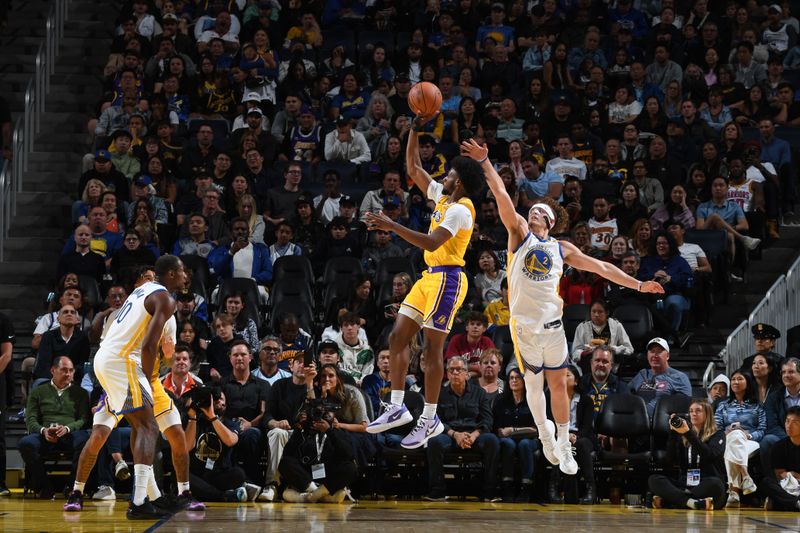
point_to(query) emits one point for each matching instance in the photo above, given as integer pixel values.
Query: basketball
(425, 99)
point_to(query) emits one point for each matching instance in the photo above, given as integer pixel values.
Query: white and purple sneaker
(393, 416)
(74, 502)
(424, 430)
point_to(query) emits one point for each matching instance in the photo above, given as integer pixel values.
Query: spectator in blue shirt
(538, 183)
(668, 268)
(744, 421)
(496, 29)
(775, 407)
(659, 380)
(722, 213)
(625, 16)
(591, 50)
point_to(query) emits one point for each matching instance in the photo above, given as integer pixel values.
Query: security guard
(764, 336)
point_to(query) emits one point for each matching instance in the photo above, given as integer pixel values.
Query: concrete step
(51, 244)
(38, 200)
(49, 219)
(27, 273)
(33, 232)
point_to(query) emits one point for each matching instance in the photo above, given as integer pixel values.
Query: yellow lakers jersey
(451, 253)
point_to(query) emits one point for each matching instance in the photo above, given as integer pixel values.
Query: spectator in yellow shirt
(497, 312)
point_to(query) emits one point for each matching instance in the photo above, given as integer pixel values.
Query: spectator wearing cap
(103, 170)
(496, 27)
(399, 100)
(121, 156)
(267, 145)
(660, 379)
(344, 144)
(778, 35)
(326, 205)
(171, 32)
(197, 242)
(251, 100)
(777, 404)
(281, 201)
(337, 242)
(718, 389)
(143, 190)
(304, 143)
(764, 337)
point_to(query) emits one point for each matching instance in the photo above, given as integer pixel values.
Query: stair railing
(27, 127)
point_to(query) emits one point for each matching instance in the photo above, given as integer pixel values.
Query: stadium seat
(624, 416)
(573, 315)
(714, 243)
(391, 266)
(638, 323)
(201, 276)
(503, 341)
(336, 278)
(291, 289)
(91, 293)
(303, 311)
(247, 287)
(292, 269)
(667, 405)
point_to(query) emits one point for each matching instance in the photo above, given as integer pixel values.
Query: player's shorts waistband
(445, 268)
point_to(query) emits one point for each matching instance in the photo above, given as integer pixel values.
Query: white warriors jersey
(534, 273)
(125, 334)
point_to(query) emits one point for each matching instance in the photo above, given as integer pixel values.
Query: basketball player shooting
(435, 299)
(535, 264)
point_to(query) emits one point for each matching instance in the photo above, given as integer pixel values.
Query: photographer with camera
(210, 437)
(696, 448)
(318, 462)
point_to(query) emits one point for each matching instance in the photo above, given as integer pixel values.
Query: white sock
(78, 486)
(153, 492)
(397, 397)
(563, 432)
(429, 411)
(183, 486)
(141, 481)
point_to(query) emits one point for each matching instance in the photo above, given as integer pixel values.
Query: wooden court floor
(18, 514)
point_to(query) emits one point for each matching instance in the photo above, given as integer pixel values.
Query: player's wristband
(483, 160)
(640, 287)
(214, 419)
(192, 419)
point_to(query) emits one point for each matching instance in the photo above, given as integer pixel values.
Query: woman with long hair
(516, 153)
(233, 305)
(131, 256)
(188, 335)
(164, 182)
(630, 209)
(733, 92)
(377, 66)
(641, 236)
(713, 164)
(358, 300)
(375, 124)
(514, 426)
(617, 248)
(247, 208)
(91, 197)
(652, 119)
(695, 447)
(730, 138)
(745, 422)
(666, 266)
(673, 99)
(766, 374)
(296, 81)
(712, 65)
(465, 87)
(490, 275)
(351, 102)
(698, 188)
(675, 208)
(466, 123)
(233, 193)
(537, 100)
(394, 157)
(556, 72)
(753, 108)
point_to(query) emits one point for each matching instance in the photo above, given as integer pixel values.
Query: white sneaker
(292, 496)
(733, 499)
(748, 486)
(549, 443)
(253, 491)
(566, 462)
(121, 471)
(267, 495)
(105, 493)
(751, 243)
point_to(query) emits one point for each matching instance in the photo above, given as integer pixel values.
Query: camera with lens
(318, 409)
(676, 418)
(201, 397)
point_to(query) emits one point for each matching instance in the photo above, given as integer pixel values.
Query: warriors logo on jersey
(538, 263)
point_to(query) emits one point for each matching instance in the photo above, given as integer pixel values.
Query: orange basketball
(425, 99)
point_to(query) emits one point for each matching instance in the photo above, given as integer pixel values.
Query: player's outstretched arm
(413, 163)
(574, 257)
(427, 241)
(516, 225)
(161, 307)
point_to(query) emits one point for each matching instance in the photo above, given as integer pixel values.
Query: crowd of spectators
(238, 133)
